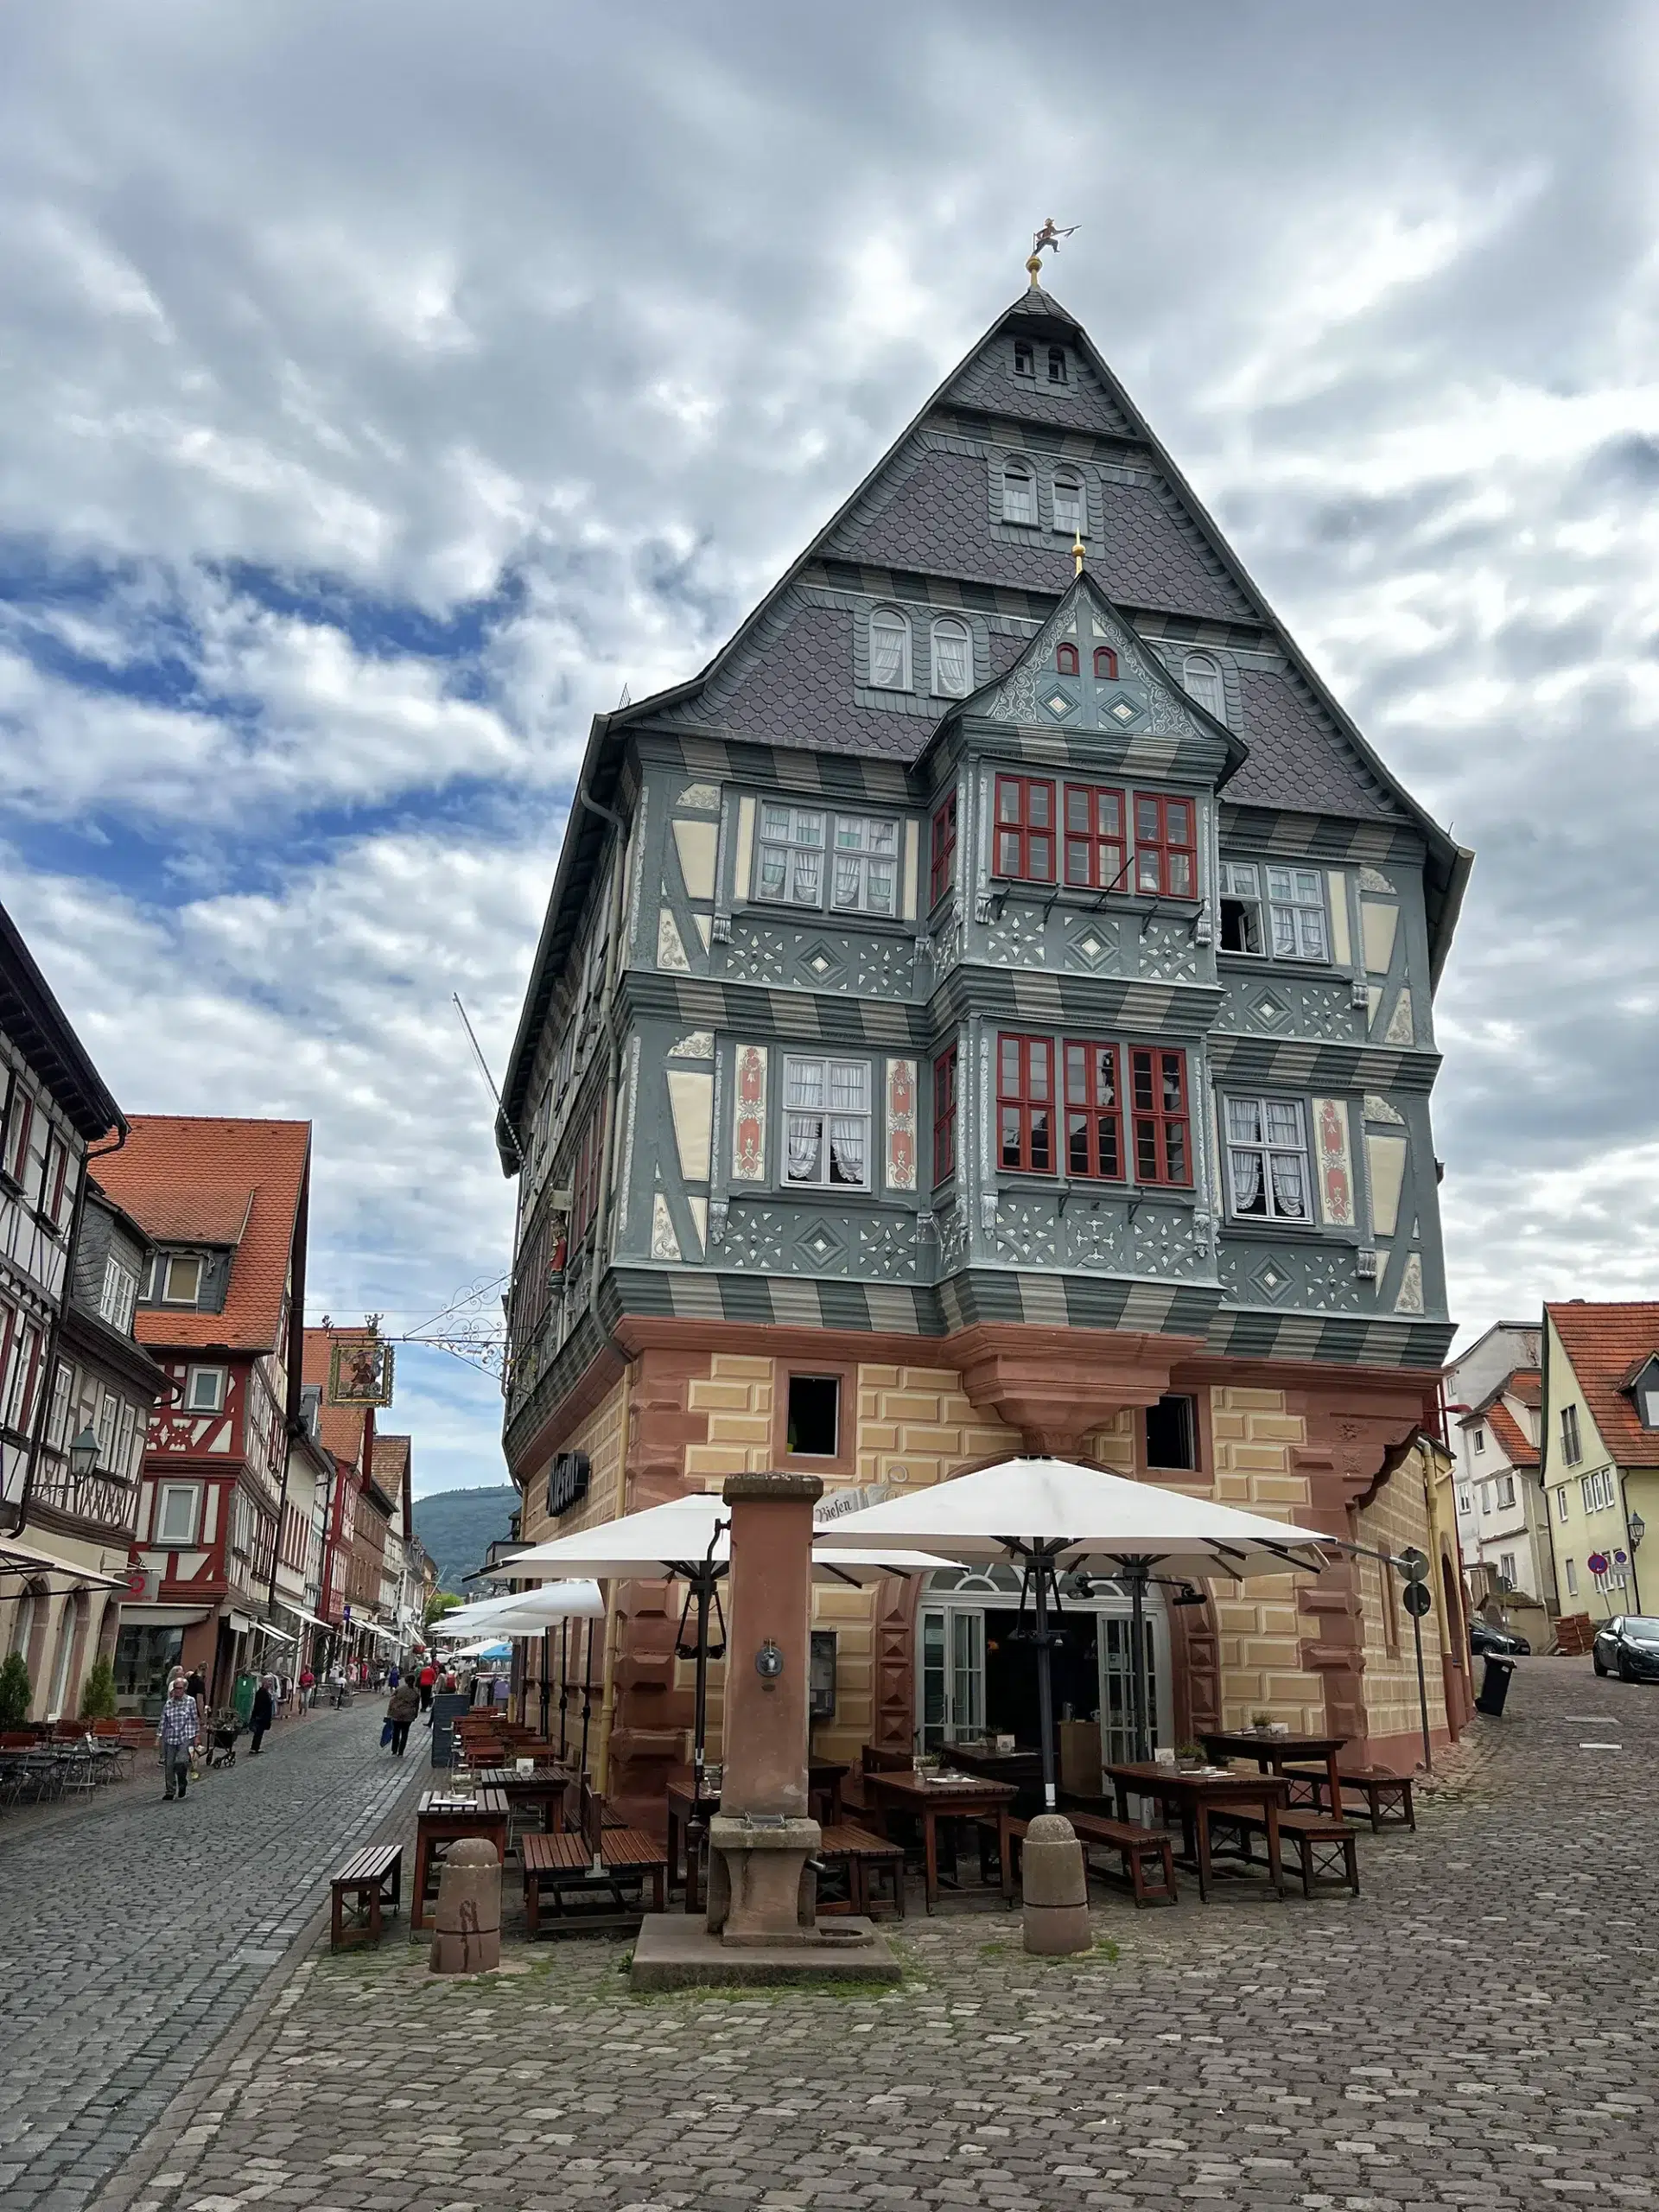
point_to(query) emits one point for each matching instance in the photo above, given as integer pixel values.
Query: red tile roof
(1606, 1343)
(1512, 1439)
(190, 1179)
(1527, 1384)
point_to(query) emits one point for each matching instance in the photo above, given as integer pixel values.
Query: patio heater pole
(564, 1678)
(1043, 1562)
(586, 1696)
(547, 1669)
(1138, 1664)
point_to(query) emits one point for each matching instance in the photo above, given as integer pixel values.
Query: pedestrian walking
(401, 1709)
(178, 1735)
(263, 1714)
(429, 1675)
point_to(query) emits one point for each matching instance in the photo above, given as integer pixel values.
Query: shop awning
(315, 1619)
(264, 1628)
(19, 1558)
(162, 1616)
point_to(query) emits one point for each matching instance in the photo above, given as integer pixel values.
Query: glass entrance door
(1116, 1647)
(953, 1674)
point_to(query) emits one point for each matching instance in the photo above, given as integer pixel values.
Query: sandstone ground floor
(1470, 2033)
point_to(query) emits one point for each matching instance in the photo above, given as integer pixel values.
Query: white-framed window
(1025, 357)
(889, 650)
(1572, 1578)
(14, 1138)
(1561, 1503)
(125, 1430)
(827, 1123)
(1572, 1451)
(176, 1506)
(178, 1278)
(109, 1407)
(1267, 1159)
(1506, 1568)
(1059, 371)
(1466, 1501)
(1266, 909)
(1070, 513)
(1018, 491)
(204, 1390)
(1201, 681)
(1477, 1438)
(1597, 1490)
(1485, 1498)
(864, 878)
(1506, 1492)
(119, 1295)
(57, 1421)
(791, 854)
(953, 657)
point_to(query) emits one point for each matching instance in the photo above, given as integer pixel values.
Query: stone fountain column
(760, 1890)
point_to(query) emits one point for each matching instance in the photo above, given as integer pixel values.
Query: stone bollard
(467, 1924)
(1056, 1888)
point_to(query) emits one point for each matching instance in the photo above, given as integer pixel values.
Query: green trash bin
(242, 1697)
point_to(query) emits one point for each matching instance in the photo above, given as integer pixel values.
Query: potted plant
(97, 1698)
(1262, 1722)
(1190, 1757)
(14, 1690)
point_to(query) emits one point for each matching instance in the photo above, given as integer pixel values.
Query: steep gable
(1606, 1343)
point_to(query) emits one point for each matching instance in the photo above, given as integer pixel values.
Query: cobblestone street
(1476, 2030)
(134, 1934)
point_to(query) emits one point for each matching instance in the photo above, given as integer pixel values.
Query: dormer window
(889, 650)
(178, 1278)
(1025, 357)
(1065, 660)
(1644, 1388)
(1056, 368)
(1068, 503)
(1105, 664)
(1201, 680)
(953, 659)
(1018, 492)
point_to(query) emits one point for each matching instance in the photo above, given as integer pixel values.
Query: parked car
(1628, 1646)
(1483, 1638)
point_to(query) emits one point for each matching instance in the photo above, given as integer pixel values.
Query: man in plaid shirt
(178, 1735)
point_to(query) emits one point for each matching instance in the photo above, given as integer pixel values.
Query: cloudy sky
(387, 386)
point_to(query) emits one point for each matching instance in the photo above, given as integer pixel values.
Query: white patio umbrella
(689, 1537)
(551, 1601)
(1051, 1518)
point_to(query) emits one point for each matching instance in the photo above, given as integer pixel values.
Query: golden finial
(1049, 236)
(1077, 551)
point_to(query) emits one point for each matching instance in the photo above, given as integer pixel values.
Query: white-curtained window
(953, 659)
(889, 650)
(1268, 909)
(1069, 515)
(1018, 492)
(792, 855)
(1267, 1159)
(865, 866)
(1201, 679)
(827, 1123)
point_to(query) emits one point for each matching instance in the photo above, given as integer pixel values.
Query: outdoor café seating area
(48, 1761)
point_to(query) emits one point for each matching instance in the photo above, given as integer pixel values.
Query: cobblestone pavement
(1477, 2030)
(134, 1936)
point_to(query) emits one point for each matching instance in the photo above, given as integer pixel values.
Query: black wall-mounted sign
(567, 1483)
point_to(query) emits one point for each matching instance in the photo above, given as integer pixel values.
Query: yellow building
(1601, 1452)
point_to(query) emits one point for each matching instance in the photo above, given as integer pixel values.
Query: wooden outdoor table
(545, 1788)
(688, 1824)
(1271, 1752)
(443, 1817)
(827, 1774)
(971, 1798)
(1198, 1796)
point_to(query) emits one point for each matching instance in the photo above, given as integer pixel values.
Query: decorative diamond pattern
(1122, 709)
(1269, 1009)
(1058, 704)
(1270, 1278)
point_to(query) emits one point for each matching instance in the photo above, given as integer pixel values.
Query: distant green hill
(458, 1526)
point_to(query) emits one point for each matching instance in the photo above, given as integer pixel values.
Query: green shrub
(14, 1691)
(97, 1698)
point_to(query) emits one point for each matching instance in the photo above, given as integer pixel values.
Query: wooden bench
(596, 1863)
(1321, 1839)
(372, 1877)
(1135, 1847)
(863, 1855)
(1380, 1787)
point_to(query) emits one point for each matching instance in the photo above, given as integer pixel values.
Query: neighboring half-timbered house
(225, 1204)
(991, 1008)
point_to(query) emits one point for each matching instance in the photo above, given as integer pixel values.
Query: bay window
(827, 1123)
(1165, 846)
(942, 872)
(945, 1115)
(1094, 1112)
(1025, 1103)
(1025, 829)
(1267, 1170)
(1158, 1110)
(1095, 853)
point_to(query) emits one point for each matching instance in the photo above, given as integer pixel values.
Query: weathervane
(1049, 236)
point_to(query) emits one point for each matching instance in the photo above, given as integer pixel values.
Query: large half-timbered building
(992, 1007)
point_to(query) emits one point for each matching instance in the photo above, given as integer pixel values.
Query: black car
(1628, 1646)
(1483, 1638)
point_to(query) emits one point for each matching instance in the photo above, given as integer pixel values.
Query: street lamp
(83, 1452)
(1638, 1529)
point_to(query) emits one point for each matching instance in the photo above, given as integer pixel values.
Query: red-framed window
(584, 1183)
(1025, 829)
(1096, 856)
(945, 1115)
(943, 872)
(1165, 846)
(1065, 660)
(1025, 1103)
(1105, 662)
(1157, 1113)
(1094, 1111)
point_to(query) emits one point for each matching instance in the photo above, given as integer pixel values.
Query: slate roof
(797, 689)
(1296, 760)
(168, 1156)
(1606, 1343)
(935, 516)
(986, 384)
(37, 1025)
